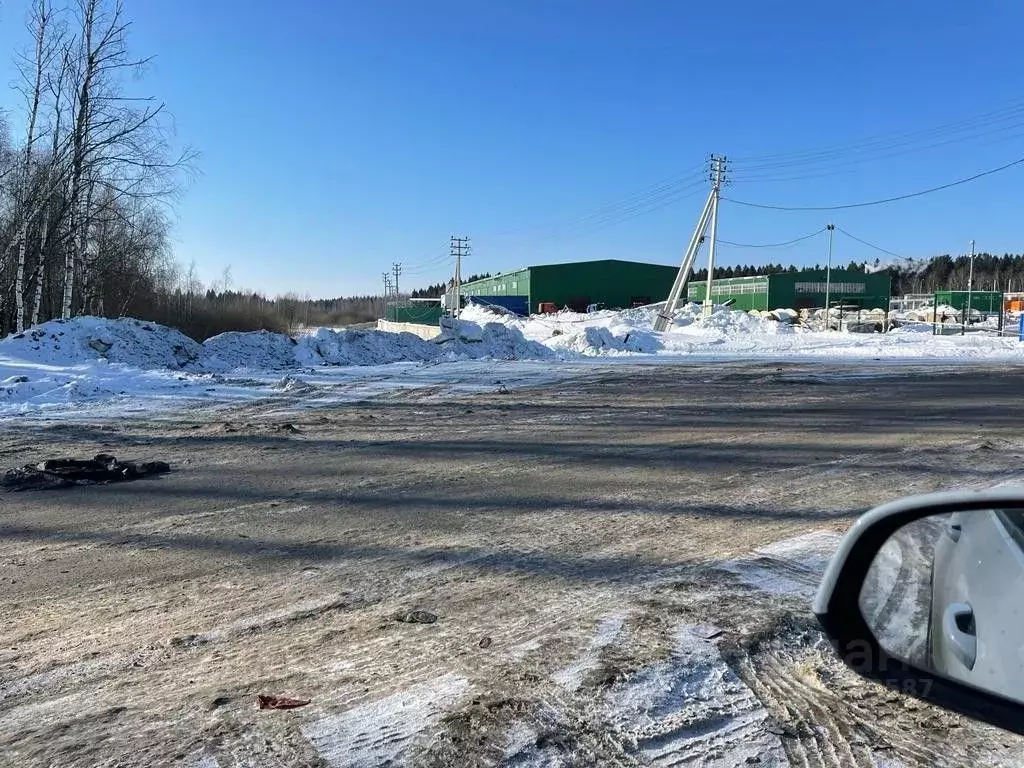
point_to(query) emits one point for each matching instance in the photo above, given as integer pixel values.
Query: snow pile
(597, 340)
(466, 339)
(90, 339)
(138, 365)
(259, 350)
(362, 347)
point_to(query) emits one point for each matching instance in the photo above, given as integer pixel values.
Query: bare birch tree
(33, 73)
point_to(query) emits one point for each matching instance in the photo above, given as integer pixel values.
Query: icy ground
(120, 367)
(620, 566)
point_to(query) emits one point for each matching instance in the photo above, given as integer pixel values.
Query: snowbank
(259, 350)
(361, 347)
(132, 363)
(90, 339)
(490, 338)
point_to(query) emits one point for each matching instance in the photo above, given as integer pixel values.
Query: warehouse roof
(571, 263)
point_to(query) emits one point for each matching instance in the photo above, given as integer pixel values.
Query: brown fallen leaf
(264, 701)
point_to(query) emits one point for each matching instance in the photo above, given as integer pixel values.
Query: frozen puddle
(693, 708)
(380, 732)
(788, 567)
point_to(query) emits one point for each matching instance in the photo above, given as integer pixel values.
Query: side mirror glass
(926, 596)
(946, 594)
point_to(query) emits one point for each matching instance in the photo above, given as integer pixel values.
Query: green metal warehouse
(989, 302)
(798, 290)
(612, 282)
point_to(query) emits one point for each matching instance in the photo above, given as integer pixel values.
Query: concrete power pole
(666, 316)
(459, 248)
(970, 289)
(828, 276)
(396, 269)
(387, 291)
(717, 179)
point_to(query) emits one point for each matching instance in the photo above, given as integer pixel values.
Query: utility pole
(970, 288)
(666, 316)
(396, 269)
(387, 291)
(459, 248)
(718, 169)
(828, 277)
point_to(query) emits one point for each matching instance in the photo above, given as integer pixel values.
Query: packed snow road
(619, 563)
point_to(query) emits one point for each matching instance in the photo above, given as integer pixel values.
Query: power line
(869, 245)
(897, 198)
(654, 193)
(427, 266)
(887, 139)
(851, 165)
(774, 245)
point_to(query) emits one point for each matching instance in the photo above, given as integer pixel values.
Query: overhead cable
(883, 201)
(869, 245)
(773, 245)
(886, 140)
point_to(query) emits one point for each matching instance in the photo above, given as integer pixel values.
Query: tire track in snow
(383, 732)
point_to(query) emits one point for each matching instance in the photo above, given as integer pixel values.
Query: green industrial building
(798, 290)
(612, 282)
(987, 302)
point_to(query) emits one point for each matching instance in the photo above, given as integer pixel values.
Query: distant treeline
(991, 273)
(768, 269)
(202, 314)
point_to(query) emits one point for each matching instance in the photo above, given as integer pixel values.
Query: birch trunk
(39, 27)
(37, 304)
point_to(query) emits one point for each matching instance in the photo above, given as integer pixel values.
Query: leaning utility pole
(828, 277)
(459, 248)
(666, 316)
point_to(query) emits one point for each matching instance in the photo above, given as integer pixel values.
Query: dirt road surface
(620, 566)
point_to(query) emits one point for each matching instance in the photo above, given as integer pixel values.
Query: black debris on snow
(64, 473)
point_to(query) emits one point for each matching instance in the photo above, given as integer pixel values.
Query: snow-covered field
(119, 367)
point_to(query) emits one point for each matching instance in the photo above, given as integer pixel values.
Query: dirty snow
(788, 567)
(382, 732)
(85, 340)
(129, 366)
(693, 707)
(571, 676)
(257, 350)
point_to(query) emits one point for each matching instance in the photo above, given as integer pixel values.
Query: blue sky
(338, 137)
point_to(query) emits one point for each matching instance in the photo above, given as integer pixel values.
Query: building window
(720, 289)
(835, 288)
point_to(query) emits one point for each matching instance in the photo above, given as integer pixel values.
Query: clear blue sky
(340, 136)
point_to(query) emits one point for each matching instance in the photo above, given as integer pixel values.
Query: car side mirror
(926, 595)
